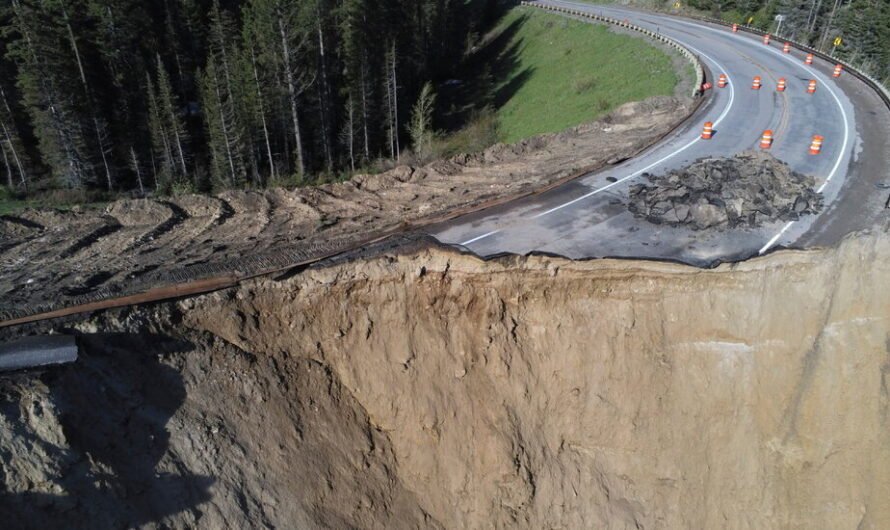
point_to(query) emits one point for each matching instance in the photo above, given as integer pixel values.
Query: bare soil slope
(50, 258)
(431, 389)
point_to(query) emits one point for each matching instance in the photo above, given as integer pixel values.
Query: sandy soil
(425, 389)
(50, 258)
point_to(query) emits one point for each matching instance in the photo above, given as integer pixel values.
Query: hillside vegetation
(565, 72)
(201, 95)
(208, 95)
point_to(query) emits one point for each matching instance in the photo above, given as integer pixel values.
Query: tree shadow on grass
(489, 78)
(113, 407)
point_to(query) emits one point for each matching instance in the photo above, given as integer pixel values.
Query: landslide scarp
(426, 388)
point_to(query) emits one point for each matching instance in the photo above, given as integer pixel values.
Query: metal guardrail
(877, 86)
(696, 62)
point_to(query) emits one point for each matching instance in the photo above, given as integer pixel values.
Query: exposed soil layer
(425, 388)
(749, 189)
(45, 254)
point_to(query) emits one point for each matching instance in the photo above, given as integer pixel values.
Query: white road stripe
(483, 236)
(637, 173)
(826, 82)
(811, 71)
(843, 152)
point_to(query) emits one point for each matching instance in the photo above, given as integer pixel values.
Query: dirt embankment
(50, 258)
(430, 389)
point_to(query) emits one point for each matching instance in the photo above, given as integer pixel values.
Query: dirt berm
(429, 389)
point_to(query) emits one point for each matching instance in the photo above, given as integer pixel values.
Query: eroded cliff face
(430, 388)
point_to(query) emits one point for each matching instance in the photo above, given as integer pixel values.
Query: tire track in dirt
(237, 231)
(92, 238)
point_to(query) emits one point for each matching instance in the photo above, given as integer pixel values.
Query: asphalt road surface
(588, 218)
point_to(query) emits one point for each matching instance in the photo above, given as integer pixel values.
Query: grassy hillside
(565, 72)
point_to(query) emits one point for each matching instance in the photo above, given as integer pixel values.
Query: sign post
(779, 19)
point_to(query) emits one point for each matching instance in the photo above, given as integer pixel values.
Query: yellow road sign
(750, 20)
(838, 41)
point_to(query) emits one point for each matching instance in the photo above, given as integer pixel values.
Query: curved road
(587, 217)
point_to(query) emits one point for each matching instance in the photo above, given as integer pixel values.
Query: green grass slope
(566, 72)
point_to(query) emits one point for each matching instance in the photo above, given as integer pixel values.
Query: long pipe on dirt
(34, 352)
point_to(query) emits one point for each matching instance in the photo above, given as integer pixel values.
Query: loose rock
(749, 189)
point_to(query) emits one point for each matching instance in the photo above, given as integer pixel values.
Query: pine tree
(282, 38)
(13, 147)
(173, 126)
(134, 165)
(391, 85)
(38, 48)
(219, 117)
(286, 87)
(256, 101)
(224, 106)
(356, 27)
(121, 38)
(98, 124)
(421, 127)
(165, 173)
(347, 135)
(324, 93)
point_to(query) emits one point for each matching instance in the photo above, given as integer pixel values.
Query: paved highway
(587, 217)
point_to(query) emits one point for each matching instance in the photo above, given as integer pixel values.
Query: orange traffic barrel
(809, 59)
(722, 81)
(757, 83)
(708, 131)
(735, 28)
(837, 70)
(816, 144)
(811, 88)
(766, 39)
(782, 84)
(787, 47)
(766, 141)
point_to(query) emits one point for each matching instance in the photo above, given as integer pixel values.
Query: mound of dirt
(749, 189)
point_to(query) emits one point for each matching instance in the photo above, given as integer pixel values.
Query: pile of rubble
(749, 189)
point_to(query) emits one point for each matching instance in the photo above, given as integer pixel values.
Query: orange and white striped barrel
(787, 47)
(722, 81)
(816, 144)
(758, 82)
(811, 87)
(735, 28)
(809, 59)
(708, 131)
(766, 39)
(782, 85)
(837, 70)
(766, 141)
